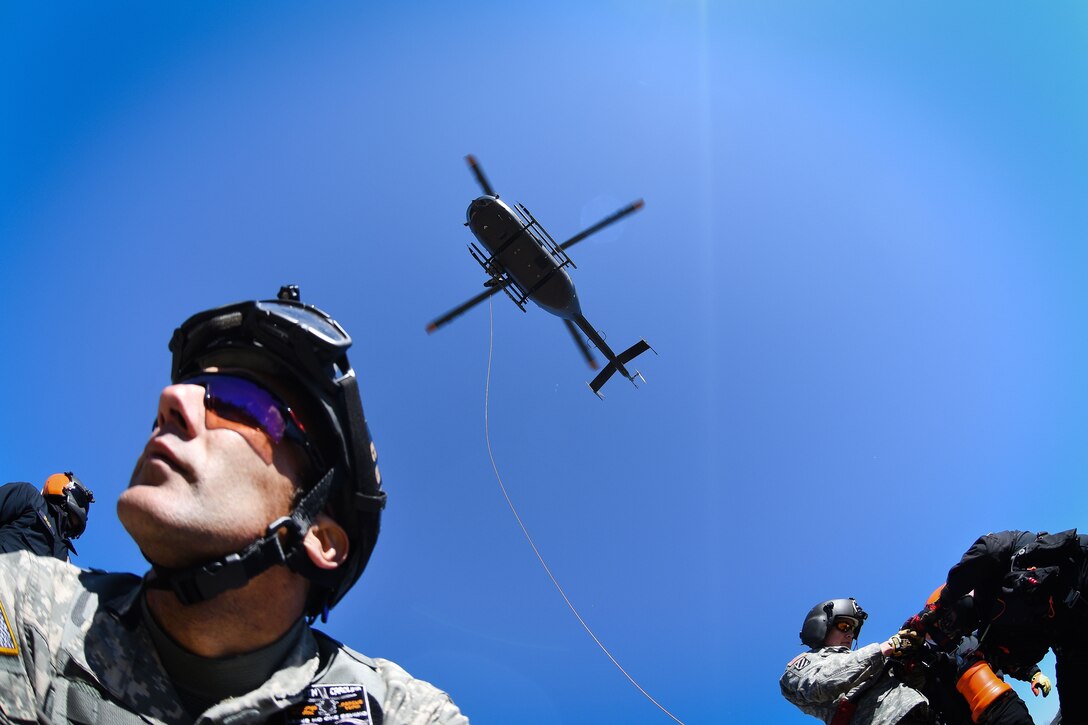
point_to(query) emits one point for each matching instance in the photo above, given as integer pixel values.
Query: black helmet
(305, 346)
(953, 619)
(71, 500)
(819, 619)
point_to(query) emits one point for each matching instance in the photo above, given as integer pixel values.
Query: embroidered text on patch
(348, 703)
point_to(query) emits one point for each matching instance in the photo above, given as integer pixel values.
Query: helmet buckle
(294, 527)
(229, 573)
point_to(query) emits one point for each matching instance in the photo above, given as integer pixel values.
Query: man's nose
(181, 410)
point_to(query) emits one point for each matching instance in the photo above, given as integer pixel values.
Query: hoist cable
(525, 531)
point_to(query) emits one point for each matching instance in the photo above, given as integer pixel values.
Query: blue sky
(861, 262)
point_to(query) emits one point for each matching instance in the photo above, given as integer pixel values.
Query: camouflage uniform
(73, 649)
(818, 680)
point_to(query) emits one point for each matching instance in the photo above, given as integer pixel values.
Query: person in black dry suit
(1029, 595)
(44, 522)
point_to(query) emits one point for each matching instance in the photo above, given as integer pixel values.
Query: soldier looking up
(257, 502)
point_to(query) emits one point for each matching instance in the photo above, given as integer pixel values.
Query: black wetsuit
(27, 523)
(1029, 618)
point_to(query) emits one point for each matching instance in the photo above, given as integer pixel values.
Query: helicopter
(525, 262)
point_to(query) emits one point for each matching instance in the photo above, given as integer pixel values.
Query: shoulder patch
(799, 662)
(8, 645)
(348, 703)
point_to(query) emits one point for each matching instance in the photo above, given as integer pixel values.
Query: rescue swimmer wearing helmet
(257, 501)
(45, 522)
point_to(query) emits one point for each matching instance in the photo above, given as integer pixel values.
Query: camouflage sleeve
(409, 701)
(18, 665)
(822, 677)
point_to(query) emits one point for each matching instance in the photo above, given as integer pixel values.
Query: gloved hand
(1039, 681)
(920, 622)
(939, 622)
(902, 643)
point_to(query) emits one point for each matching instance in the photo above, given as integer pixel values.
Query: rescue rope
(540, 558)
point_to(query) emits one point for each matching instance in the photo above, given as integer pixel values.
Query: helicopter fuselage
(517, 250)
(522, 260)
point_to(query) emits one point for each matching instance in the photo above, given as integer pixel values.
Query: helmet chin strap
(205, 581)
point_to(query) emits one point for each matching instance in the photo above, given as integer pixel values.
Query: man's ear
(326, 542)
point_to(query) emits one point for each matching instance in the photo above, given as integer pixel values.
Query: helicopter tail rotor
(618, 363)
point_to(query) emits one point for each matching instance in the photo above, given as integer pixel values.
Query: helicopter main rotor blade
(630, 208)
(480, 175)
(581, 343)
(463, 308)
